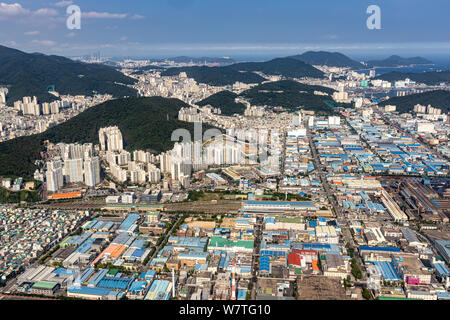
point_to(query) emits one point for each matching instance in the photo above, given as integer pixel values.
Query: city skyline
(202, 153)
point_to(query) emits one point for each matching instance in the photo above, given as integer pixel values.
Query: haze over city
(238, 28)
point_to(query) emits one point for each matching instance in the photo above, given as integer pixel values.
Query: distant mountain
(145, 123)
(215, 76)
(286, 67)
(244, 72)
(150, 67)
(429, 78)
(437, 99)
(225, 101)
(396, 61)
(142, 70)
(291, 95)
(207, 60)
(29, 74)
(330, 59)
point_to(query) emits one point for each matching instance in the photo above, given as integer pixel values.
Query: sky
(235, 28)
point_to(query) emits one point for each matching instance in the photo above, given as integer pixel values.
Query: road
(256, 250)
(283, 155)
(167, 235)
(340, 215)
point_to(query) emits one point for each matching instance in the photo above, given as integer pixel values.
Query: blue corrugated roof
(138, 253)
(114, 283)
(387, 249)
(137, 286)
(92, 291)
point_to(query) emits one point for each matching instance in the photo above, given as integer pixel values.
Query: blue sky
(157, 28)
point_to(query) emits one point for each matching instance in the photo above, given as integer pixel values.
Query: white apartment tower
(110, 139)
(54, 176)
(92, 171)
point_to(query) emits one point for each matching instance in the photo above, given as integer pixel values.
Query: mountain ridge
(245, 71)
(330, 59)
(396, 61)
(29, 74)
(429, 78)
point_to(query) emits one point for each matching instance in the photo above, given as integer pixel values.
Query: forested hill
(245, 71)
(429, 78)
(438, 99)
(225, 100)
(30, 74)
(145, 123)
(330, 59)
(395, 61)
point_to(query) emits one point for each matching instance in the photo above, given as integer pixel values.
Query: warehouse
(192, 258)
(115, 283)
(46, 288)
(271, 207)
(137, 290)
(367, 249)
(394, 210)
(387, 270)
(219, 243)
(159, 290)
(411, 237)
(443, 246)
(93, 293)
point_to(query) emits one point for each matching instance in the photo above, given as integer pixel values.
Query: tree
(366, 294)
(356, 272)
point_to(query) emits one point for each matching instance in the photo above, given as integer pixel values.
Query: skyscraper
(92, 171)
(54, 176)
(74, 170)
(110, 139)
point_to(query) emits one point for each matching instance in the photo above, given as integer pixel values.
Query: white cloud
(47, 43)
(103, 15)
(46, 12)
(123, 38)
(63, 3)
(32, 33)
(15, 11)
(12, 10)
(137, 17)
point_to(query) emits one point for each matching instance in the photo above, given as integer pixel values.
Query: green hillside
(28, 74)
(146, 123)
(225, 101)
(395, 61)
(437, 99)
(330, 59)
(215, 76)
(290, 95)
(286, 67)
(244, 72)
(429, 78)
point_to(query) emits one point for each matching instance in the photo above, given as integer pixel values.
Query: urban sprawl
(274, 205)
